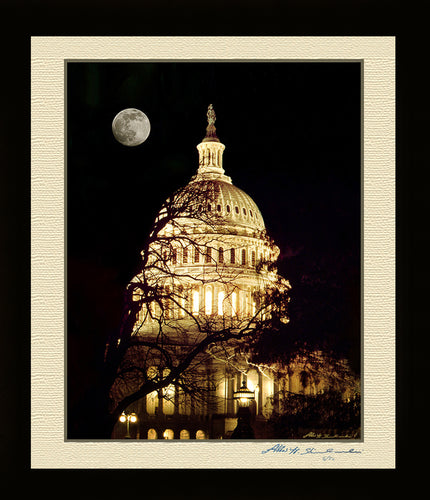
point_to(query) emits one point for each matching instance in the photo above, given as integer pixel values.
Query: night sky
(293, 143)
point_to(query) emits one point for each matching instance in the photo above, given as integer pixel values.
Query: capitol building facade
(208, 285)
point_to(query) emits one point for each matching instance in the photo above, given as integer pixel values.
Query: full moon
(131, 127)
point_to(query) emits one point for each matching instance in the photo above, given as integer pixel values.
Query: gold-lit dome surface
(229, 202)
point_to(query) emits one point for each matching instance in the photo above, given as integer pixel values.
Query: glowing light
(250, 385)
(196, 301)
(221, 296)
(184, 434)
(133, 418)
(200, 434)
(208, 302)
(152, 434)
(168, 434)
(122, 418)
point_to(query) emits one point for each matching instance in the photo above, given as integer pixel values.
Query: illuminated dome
(233, 205)
(215, 193)
(207, 285)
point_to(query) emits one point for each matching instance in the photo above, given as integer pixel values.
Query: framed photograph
(213, 257)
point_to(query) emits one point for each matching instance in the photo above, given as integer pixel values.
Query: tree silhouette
(166, 338)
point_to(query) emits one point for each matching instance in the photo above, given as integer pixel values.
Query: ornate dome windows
(232, 256)
(196, 255)
(246, 254)
(208, 256)
(221, 255)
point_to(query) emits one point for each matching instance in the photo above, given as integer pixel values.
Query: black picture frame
(24, 20)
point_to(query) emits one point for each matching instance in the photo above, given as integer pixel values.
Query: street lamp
(243, 396)
(127, 418)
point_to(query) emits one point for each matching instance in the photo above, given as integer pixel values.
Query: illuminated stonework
(213, 267)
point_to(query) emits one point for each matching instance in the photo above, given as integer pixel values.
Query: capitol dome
(207, 289)
(231, 204)
(215, 195)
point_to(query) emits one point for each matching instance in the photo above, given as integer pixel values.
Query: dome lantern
(210, 149)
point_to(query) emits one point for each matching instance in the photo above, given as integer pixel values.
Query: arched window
(228, 208)
(253, 258)
(232, 256)
(208, 255)
(250, 213)
(221, 255)
(236, 209)
(244, 211)
(196, 255)
(184, 434)
(200, 434)
(209, 207)
(208, 302)
(174, 256)
(218, 207)
(168, 434)
(185, 256)
(221, 297)
(243, 257)
(152, 403)
(152, 434)
(196, 302)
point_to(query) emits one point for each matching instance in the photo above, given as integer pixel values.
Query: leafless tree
(182, 342)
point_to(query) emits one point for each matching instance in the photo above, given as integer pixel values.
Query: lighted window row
(208, 257)
(218, 208)
(208, 303)
(169, 434)
(222, 304)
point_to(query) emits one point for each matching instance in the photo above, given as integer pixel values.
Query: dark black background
(292, 133)
(21, 19)
(292, 136)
